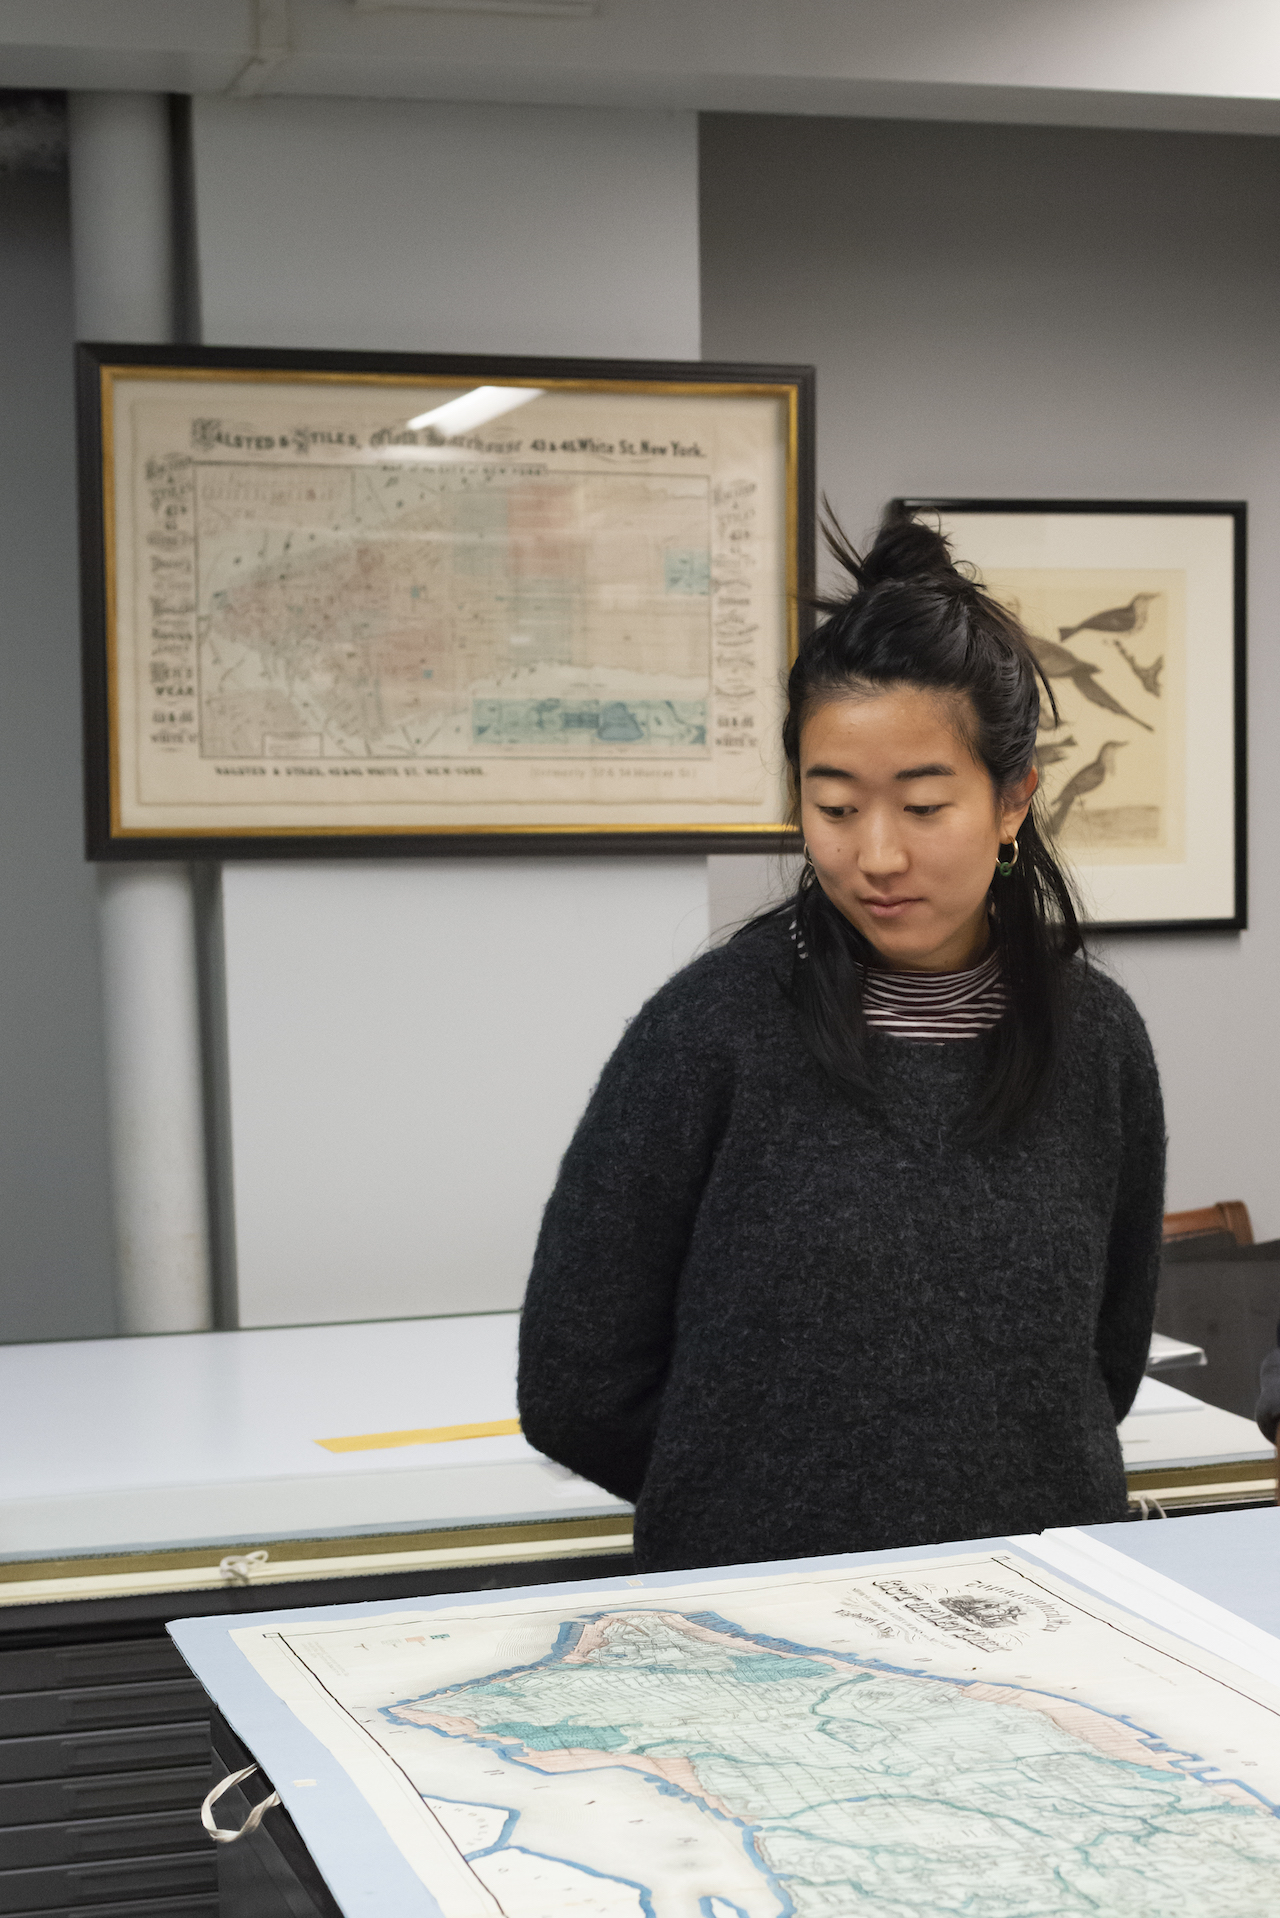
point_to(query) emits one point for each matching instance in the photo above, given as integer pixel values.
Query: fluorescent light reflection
(476, 408)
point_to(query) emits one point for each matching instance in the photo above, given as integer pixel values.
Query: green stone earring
(1005, 866)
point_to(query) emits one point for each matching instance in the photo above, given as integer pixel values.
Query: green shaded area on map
(570, 723)
(686, 572)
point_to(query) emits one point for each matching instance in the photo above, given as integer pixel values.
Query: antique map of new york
(963, 1736)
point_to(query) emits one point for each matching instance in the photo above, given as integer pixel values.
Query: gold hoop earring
(1005, 866)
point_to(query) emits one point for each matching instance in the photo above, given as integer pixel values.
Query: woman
(856, 1244)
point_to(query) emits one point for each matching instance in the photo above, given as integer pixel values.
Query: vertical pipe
(122, 229)
(155, 1098)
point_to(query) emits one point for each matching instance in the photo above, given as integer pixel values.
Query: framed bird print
(1136, 613)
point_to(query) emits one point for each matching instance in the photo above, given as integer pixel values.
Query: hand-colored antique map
(956, 1736)
(326, 615)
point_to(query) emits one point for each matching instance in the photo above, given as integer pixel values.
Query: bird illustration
(1053, 752)
(1057, 662)
(1087, 780)
(1116, 619)
(1149, 675)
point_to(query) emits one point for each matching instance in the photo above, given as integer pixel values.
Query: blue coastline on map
(505, 1812)
(573, 723)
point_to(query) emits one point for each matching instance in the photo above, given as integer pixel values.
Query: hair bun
(904, 548)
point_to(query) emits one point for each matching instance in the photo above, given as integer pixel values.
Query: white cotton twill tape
(1151, 1595)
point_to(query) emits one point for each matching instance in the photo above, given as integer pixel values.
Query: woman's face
(903, 825)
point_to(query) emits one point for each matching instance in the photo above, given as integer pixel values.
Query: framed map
(1136, 613)
(354, 603)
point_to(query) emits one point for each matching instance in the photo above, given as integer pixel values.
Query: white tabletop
(198, 1438)
(1173, 1355)
(1169, 1430)
(121, 1445)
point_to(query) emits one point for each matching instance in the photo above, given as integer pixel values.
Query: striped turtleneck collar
(930, 1006)
(935, 1006)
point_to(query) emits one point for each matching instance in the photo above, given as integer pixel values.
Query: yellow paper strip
(429, 1435)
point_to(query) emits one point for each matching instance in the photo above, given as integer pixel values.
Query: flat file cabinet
(104, 1757)
(105, 1750)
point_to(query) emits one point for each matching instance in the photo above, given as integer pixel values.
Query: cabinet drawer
(55, 1887)
(43, 1801)
(117, 1661)
(29, 1714)
(81, 1840)
(169, 1907)
(130, 1748)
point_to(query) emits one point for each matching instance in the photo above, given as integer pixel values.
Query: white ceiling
(1195, 64)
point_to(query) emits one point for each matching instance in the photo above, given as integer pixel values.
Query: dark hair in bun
(912, 617)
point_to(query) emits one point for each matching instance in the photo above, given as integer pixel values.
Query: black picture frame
(105, 839)
(948, 509)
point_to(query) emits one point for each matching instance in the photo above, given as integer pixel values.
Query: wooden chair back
(1230, 1215)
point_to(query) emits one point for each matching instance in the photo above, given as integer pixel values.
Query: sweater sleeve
(1268, 1412)
(1133, 1250)
(598, 1320)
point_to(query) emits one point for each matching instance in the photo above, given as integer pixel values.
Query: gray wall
(380, 1067)
(1027, 312)
(400, 225)
(56, 1278)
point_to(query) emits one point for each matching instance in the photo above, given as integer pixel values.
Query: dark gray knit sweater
(1268, 1412)
(784, 1327)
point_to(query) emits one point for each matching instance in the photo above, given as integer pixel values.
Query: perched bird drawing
(1149, 675)
(1058, 662)
(1087, 780)
(1054, 751)
(1116, 619)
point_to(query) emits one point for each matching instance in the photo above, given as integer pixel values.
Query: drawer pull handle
(238, 1567)
(251, 1823)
